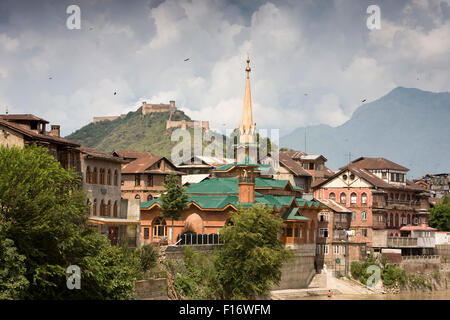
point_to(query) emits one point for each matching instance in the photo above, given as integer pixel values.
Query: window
(323, 216)
(402, 197)
(396, 196)
(149, 197)
(116, 177)
(150, 180)
(108, 211)
(353, 216)
(137, 180)
(289, 232)
(94, 178)
(318, 249)
(364, 198)
(363, 215)
(335, 249)
(396, 220)
(408, 221)
(408, 197)
(115, 209)
(384, 175)
(109, 177)
(159, 227)
(137, 196)
(301, 232)
(391, 196)
(94, 212)
(323, 232)
(343, 198)
(353, 198)
(88, 203)
(325, 249)
(352, 177)
(296, 232)
(392, 176)
(332, 196)
(102, 176)
(380, 218)
(146, 233)
(364, 233)
(102, 208)
(311, 166)
(344, 177)
(88, 175)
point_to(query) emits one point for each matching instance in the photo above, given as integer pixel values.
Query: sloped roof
(37, 136)
(333, 205)
(99, 155)
(193, 178)
(292, 165)
(25, 117)
(376, 163)
(142, 165)
(132, 154)
(293, 214)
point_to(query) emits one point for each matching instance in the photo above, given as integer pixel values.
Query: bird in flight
(115, 93)
(50, 78)
(186, 59)
(364, 100)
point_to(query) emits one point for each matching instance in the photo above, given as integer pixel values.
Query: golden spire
(247, 127)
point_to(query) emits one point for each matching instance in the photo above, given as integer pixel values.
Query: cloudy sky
(323, 49)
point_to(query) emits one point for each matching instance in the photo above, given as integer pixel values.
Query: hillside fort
(148, 108)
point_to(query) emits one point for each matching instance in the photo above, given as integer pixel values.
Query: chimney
(55, 130)
(172, 104)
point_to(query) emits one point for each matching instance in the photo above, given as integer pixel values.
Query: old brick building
(382, 201)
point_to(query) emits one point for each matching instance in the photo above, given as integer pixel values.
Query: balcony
(339, 235)
(401, 242)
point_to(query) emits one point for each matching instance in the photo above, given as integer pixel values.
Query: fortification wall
(110, 118)
(183, 124)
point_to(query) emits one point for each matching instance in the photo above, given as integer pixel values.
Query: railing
(401, 242)
(198, 239)
(424, 257)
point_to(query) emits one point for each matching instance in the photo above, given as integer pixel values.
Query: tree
(440, 215)
(250, 261)
(174, 200)
(43, 211)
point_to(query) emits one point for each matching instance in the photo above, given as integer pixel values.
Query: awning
(112, 221)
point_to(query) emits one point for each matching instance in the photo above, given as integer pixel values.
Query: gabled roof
(288, 162)
(21, 117)
(333, 205)
(293, 214)
(131, 154)
(376, 163)
(37, 136)
(142, 165)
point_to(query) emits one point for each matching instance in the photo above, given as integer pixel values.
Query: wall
(183, 124)
(153, 289)
(9, 138)
(421, 264)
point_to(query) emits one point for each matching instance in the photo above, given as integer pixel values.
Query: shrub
(356, 269)
(393, 274)
(148, 257)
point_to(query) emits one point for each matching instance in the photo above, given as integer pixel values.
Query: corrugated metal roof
(193, 178)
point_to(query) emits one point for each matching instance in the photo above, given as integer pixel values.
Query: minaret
(247, 127)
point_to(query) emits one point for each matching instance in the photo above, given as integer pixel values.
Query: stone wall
(183, 124)
(420, 263)
(443, 250)
(153, 289)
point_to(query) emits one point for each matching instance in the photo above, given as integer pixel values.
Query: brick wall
(153, 289)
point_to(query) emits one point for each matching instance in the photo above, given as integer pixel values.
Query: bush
(393, 274)
(148, 257)
(356, 269)
(437, 275)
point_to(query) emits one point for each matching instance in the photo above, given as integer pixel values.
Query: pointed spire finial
(6, 109)
(248, 69)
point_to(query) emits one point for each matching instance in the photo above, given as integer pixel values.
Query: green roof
(310, 203)
(293, 214)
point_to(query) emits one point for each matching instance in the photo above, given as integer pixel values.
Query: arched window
(102, 208)
(149, 197)
(408, 219)
(396, 220)
(408, 197)
(95, 176)
(353, 198)
(159, 227)
(102, 176)
(363, 215)
(137, 196)
(88, 175)
(94, 211)
(343, 198)
(116, 178)
(332, 196)
(402, 197)
(108, 179)
(364, 198)
(391, 196)
(403, 220)
(115, 209)
(108, 211)
(396, 196)
(88, 203)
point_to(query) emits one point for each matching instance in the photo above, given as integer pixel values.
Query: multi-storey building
(144, 178)
(437, 184)
(382, 201)
(115, 217)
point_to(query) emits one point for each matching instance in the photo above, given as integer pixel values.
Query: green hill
(133, 132)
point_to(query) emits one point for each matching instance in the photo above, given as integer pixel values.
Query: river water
(435, 295)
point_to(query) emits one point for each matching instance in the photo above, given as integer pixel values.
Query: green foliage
(12, 270)
(393, 274)
(356, 269)
(440, 215)
(148, 257)
(418, 282)
(249, 263)
(436, 275)
(174, 199)
(42, 210)
(198, 281)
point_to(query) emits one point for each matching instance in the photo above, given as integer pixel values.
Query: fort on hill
(148, 108)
